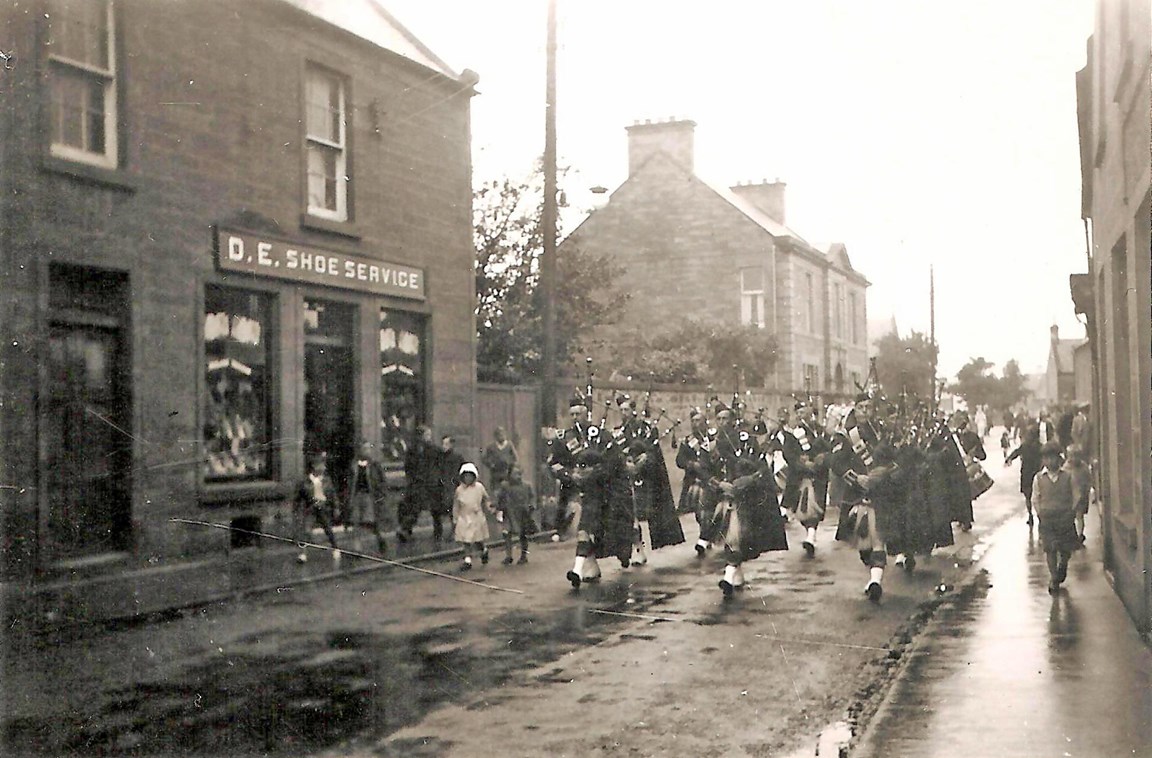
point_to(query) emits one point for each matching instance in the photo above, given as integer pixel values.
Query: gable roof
(1062, 352)
(368, 20)
(838, 254)
(762, 219)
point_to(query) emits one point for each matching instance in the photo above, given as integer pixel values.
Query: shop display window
(403, 352)
(237, 404)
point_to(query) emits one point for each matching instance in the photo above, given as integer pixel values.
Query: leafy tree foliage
(976, 383)
(508, 236)
(904, 364)
(692, 352)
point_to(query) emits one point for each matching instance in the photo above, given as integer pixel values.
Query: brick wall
(211, 107)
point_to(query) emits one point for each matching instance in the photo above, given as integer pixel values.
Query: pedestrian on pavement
(1074, 463)
(315, 503)
(470, 507)
(515, 504)
(450, 463)
(423, 489)
(1005, 443)
(368, 495)
(1030, 463)
(499, 458)
(1056, 491)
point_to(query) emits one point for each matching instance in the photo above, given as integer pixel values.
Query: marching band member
(655, 519)
(876, 493)
(599, 484)
(746, 518)
(806, 490)
(694, 494)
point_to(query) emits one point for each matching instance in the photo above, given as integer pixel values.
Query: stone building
(226, 244)
(1113, 106)
(694, 249)
(1060, 374)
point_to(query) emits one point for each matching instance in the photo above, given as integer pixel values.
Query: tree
(694, 352)
(508, 238)
(904, 364)
(976, 383)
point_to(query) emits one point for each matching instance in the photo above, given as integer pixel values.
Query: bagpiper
(655, 521)
(599, 484)
(746, 519)
(806, 487)
(695, 496)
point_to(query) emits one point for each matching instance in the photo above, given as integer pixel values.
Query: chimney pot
(673, 137)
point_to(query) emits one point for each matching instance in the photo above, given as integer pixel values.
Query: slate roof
(369, 20)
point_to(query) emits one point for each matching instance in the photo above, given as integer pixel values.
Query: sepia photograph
(576, 378)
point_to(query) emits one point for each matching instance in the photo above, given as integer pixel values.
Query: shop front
(305, 350)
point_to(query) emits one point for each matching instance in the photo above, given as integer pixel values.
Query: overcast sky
(915, 132)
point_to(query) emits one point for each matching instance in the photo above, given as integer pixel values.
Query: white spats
(591, 569)
(876, 574)
(811, 536)
(578, 565)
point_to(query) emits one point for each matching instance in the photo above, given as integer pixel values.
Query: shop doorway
(87, 444)
(329, 367)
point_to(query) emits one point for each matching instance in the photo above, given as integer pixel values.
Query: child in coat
(1075, 464)
(1004, 444)
(469, 508)
(1055, 494)
(514, 505)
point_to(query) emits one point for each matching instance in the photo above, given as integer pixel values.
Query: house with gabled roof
(1060, 376)
(694, 249)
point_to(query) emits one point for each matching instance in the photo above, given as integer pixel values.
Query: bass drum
(978, 479)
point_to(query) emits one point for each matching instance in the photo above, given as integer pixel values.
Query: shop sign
(250, 253)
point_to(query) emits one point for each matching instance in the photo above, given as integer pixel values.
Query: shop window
(82, 81)
(403, 352)
(238, 396)
(326, 144)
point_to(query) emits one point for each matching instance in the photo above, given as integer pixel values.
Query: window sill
(104, 177)
(342, 228)
(230, 493)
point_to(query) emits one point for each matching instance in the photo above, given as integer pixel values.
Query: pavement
(1008, 670)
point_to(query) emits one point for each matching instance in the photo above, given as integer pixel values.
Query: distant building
(233, 233)
(1060, 376)
(1113, 100)
(877, 330)
(693, 249)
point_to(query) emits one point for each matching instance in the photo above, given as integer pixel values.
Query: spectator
(1074, 463)
(424, 491)
(515, 504)
(1029, 455)
(1057, 493)
(315, 503)
(368, 495)
(469, 508)
(450, 463)
(499, 458)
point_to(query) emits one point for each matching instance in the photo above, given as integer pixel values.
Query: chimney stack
(674, 137)
(1055, 332)
(768, 197)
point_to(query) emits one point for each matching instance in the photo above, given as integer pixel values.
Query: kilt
(858, 527)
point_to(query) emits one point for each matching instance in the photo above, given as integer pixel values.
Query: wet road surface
(1012, 671)
(650, 662)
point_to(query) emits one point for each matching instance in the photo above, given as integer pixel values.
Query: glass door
(329, 367)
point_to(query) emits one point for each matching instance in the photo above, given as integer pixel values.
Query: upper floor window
(838, 311)
(326, 144)
(752, 296)
(82, 81)
(854, 315)
(810, 292)
(811, 377)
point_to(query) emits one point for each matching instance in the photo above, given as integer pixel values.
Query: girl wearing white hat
(469, 508)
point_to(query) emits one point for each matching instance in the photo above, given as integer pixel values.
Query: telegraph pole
(932, 330)
(548, 257)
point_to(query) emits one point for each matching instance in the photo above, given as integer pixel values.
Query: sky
(919, 134)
